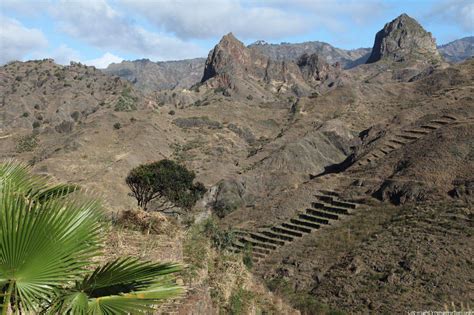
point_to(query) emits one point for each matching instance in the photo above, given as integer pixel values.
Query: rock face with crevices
(402, 39)
(231, 65)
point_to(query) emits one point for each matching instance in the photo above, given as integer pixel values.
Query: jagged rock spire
(404, 39)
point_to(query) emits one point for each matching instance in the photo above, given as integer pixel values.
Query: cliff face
(404, 39)
(230, 63)
(230, 59)
(314, 68)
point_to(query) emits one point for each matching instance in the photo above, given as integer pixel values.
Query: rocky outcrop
(314, 68)
(231, 65)
(230, 195)
(231, 59)
(404, 39)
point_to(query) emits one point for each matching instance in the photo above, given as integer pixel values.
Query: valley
(338, 181)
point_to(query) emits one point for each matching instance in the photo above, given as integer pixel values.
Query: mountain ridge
(157, 75)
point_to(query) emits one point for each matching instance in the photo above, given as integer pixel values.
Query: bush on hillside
(166, 181)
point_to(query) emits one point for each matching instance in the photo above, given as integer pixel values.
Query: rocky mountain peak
(228, 57)
(403, 39)
(259, 42)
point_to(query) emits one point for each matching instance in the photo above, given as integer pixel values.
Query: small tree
(166, 180)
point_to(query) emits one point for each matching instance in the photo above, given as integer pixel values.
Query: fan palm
(48, 236)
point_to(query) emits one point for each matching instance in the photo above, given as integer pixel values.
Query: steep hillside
(458, 50)
(44, 96)
(152, 76)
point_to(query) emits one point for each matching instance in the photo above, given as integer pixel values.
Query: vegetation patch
(197, 122)
(306, 303)
(27, 143)
(166, 181)
(126, 101)
(243, 132)
(182, 152)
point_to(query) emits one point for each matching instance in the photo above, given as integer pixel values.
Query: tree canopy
(166, 180)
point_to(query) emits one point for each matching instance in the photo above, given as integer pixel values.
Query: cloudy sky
(98, 32)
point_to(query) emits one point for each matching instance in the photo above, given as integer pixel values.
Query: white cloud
(97, 23)
(64, 55)
(104, 61)
(25, 7)
(203, 19)
(460, 12)
(17, 41)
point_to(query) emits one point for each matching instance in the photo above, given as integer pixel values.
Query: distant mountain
(151, 76)
(404, 39)
(458, 50)
(154, 76)
(232, 65)
(287, 51)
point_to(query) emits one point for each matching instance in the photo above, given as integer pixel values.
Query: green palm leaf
(33, 187)
(123, 286)
(44, 245)
(47, 239)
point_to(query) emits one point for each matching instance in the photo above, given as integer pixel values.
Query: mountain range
(331, 187)
(152, 76)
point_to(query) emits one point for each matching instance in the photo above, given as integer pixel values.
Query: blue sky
(98, 32)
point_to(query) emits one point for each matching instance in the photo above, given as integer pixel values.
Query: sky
(99, 32)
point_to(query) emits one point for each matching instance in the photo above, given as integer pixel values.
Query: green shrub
(166, 180)
(117, 125)
(247, 257)
(36, 124)
(171, 112)
(26, 143)
(126, 101)
(220, 239)
(240, 301)
(25, 114)
(75, 115)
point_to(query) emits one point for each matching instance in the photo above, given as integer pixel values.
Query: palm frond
(33, 187)
(45, 245)
(127, 285)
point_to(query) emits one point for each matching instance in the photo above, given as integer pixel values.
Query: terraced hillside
(327, 208)
(405, 137)
(329, 205)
